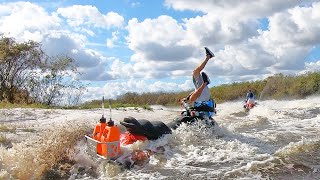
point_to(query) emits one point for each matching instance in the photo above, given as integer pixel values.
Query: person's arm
(197, 92)
(188, 97)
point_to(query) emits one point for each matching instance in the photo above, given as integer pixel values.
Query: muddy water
(274, 140)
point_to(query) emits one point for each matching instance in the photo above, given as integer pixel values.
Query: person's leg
(197, 70)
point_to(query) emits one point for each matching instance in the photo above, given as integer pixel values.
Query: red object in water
(250, 105)
(128, 138)
(140, 155)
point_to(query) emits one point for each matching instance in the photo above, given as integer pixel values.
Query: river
(274, 140)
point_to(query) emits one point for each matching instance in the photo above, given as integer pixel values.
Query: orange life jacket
(111, 135)
(97, 132)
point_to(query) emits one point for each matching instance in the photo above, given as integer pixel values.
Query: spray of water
(43, 154)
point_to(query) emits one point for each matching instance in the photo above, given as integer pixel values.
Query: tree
(57, 84)
(17, 64)
(26, 72)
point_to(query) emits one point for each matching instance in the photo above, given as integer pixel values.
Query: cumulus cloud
(70, 44)
(115, 89)
(92, 64)
(161, 47)
(25, 21)
(111, 42)
(243, 51)
(161, 39)
(240, 10)
(312, 66)
(291, 36)
(78, 15)
(18, 21)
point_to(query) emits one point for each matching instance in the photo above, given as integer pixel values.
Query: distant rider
(249, 102)
(250, 95)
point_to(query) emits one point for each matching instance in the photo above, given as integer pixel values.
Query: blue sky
(150, 46)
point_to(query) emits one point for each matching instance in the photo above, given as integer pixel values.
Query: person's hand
(184, 99)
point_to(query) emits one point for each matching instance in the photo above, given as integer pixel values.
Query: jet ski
(249, 104)
(191, 114)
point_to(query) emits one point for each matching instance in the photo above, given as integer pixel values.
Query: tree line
(279, 87)
(28, 75)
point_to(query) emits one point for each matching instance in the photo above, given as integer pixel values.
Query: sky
(125, 46)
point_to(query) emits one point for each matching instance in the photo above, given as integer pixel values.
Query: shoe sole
(211, 53)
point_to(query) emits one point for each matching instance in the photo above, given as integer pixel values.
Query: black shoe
(205, 78)
(208, 52)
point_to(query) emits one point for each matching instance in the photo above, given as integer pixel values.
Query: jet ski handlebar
(184, 102)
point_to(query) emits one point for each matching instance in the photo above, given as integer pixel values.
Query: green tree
(17, 64)
(57, 84)
(26, 72)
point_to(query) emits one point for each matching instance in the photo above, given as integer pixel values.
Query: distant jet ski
(249, 104)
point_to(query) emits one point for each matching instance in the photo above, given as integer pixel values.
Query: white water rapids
(275, 140)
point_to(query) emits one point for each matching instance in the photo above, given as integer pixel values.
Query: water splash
(274, 140)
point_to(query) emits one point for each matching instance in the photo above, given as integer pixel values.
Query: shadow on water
(299, 113)
(262, 146)
(240, 114)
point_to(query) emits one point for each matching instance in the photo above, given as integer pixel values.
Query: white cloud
(312, 67)
(161, 39)
(115, 89)
(160, 47)
(78, 15)
(18, 21)
(121, 70)
(92, 64)
(25, 21)
(238, 10)
(291, 36)
(111, 41)
(135, 4)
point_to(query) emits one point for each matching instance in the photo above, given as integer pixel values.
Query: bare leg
(196, 72)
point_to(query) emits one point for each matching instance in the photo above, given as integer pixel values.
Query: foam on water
(275, 139)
